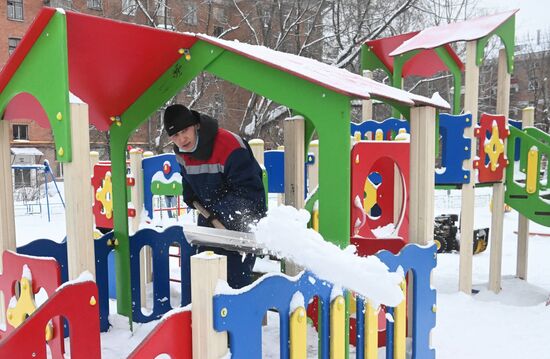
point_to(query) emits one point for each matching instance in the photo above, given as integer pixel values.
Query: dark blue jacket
(223, 175)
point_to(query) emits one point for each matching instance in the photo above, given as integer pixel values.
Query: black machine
(445, 232)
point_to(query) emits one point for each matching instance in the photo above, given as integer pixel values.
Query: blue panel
(389, 334)
(49, 248)
(390, 124)
(455, 149)
(245, 312)
(518, 125)
(360, 328)
(159, 243)
(274, 162)
(152, 165)
(421, 261)
(112, 274)
(102, 253)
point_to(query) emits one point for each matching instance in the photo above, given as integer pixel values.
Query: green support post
(506, 32)
(444, 55)
(169, 84)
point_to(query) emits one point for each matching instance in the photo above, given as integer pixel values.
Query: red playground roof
(111, 64)
(425, 64)
(468, 30)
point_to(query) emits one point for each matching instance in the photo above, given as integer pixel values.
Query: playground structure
(427, 52)
(321, 103)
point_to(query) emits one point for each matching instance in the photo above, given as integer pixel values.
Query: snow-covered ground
(511, 324)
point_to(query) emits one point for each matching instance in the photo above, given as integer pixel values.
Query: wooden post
(528, 119)
(294, 170)
(258, 147)
(467, 209)
(313, 169)
(7, 216)
(422, 175)
(206, 269)
(367, 104)
(94, 160)
(80, 242)
(497, 216)
(147, 260)
(136, 191)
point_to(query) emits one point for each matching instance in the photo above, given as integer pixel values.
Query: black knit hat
(178, 117)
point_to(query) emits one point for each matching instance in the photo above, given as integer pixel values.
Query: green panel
(369, 61)
(444, 55)
(169, 84)
(397, 80)
(44, 74)
(166, 189)
(532, 206)
(506, 32)
(330, 113)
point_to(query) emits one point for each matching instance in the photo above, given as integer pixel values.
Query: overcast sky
(533, 15)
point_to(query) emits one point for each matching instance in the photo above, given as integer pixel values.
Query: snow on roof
(330, 77)
(468, 30)
(26, 151)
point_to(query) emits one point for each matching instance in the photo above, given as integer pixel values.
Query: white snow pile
(284, 231)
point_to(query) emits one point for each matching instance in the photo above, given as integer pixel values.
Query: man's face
(186, 139)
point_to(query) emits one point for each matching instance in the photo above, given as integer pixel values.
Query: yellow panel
(24, 307)
(379, 135)
(400, 326)
(338, 328)
(316, 220)
(105, 195)
(371, 332)
(357, 136)
(298, 333)
(494, 148)
(532, 170)
(370, 199)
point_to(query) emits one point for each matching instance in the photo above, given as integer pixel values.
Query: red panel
(45, 274)
(425, 64)
(172, 336)
(365, 157)
(112, 63)
(21, 51)
(26, 106)
(73, 302)
(485, 126)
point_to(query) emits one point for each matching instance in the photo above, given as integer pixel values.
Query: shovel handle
(206, 214)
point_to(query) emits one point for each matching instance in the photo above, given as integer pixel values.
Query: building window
(533, 85)
(219, 15)
(162, 9)
(21, 177)
(12, 44)
(129, 7)
(94, 4)
(218, 30)
(21, 132)
(15, 9)
(64, 4)
(190, 14)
